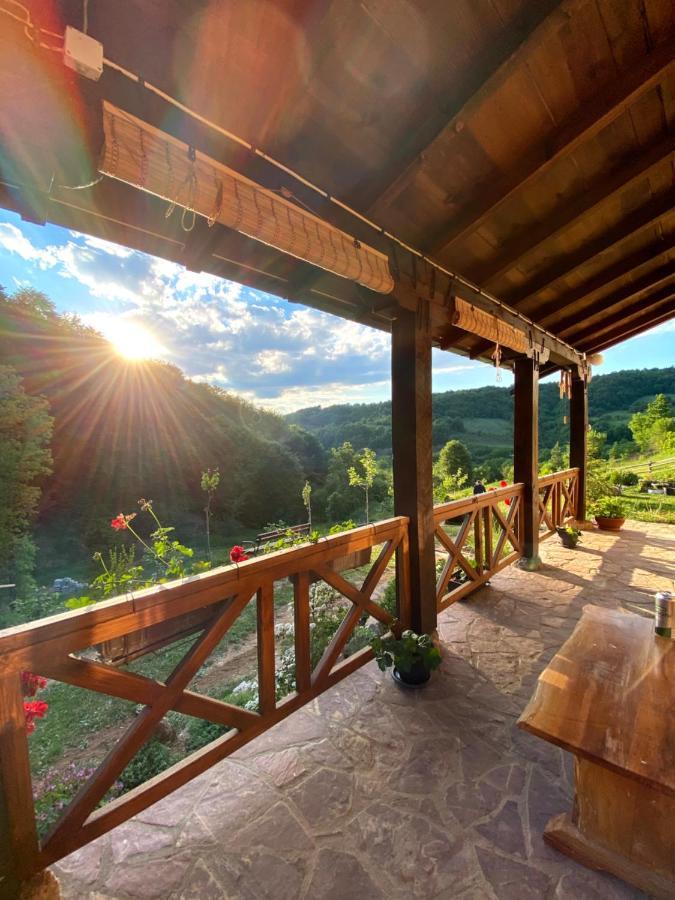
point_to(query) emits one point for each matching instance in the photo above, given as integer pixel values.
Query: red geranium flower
(34, 709)
(31, 684)
(503, 484)
(120, 522)
(238, 554)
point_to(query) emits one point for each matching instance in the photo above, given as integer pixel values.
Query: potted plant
(609, 513)
(569, 536)
(412, 656)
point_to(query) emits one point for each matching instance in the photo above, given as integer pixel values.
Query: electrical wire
(242, 142)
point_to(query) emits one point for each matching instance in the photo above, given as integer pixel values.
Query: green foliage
(25, 459)
(151, 760)
(404, 653)
(57, 790)
(654, 429)
(608, 508)
(454, 459)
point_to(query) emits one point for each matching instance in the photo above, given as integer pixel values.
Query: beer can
(663, 614)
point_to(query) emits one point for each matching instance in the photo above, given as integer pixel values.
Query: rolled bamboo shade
(158, 163)
(477, 321)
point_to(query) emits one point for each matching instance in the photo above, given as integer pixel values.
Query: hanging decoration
(147, 158)
(496, 357)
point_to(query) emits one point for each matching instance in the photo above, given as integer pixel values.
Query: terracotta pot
(610, 523)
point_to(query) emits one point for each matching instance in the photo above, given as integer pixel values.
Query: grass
(649, 507)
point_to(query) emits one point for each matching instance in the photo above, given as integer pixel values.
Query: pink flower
(238, 554)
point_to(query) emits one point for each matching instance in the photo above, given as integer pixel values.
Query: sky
(280, 355)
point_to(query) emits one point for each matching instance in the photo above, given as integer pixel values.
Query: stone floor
(373, 791)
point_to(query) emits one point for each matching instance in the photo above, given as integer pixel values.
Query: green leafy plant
(609, 508)
(150, 760)
(307, 501)
(406, 652)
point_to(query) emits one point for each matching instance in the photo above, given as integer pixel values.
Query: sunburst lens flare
(132, 340)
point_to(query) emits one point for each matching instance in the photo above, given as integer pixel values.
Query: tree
(363, 474)
(307, 500)
(25, 432)
(209, 483)
(595, 441)
(652, 428)
(455, 458)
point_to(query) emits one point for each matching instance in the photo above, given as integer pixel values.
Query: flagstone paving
(373, 791)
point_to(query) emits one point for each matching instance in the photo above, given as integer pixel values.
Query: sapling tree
(363, 474)
(210, 482)
(307, 500)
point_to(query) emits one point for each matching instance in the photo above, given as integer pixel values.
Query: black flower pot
(568, 540)
(416, 676)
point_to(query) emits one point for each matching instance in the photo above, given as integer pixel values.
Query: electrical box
(83, 54)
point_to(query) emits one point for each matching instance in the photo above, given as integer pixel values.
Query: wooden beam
(584, 124)
(649, 282)
(623, 316)
(527, 297)
(530, 238)
(482, 77)
(622, 333)
(526, 450)
(579, 439)
(412, 457)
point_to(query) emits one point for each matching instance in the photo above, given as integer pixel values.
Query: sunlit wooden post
(526, 452)
(579, 440)
(411, 444)
(18, 835)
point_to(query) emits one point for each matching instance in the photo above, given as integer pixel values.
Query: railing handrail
(21, 645)
(557, 476)
(452, 508)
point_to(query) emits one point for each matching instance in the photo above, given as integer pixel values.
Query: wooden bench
(253, 548)
(607, 697)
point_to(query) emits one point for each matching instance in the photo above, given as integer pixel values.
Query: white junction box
(82, 53)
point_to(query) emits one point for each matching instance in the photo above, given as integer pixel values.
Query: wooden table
(608, 697)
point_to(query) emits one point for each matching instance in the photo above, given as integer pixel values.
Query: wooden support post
(579, 441)
(411, 443)
(526, 452)
(18, 835)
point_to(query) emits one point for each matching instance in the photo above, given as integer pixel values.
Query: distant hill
(125, 430)
(483, 417)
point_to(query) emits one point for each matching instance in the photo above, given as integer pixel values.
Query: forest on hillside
(482, 418)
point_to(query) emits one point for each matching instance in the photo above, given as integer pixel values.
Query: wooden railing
(557, 500)
(478, 536)
(49, 647)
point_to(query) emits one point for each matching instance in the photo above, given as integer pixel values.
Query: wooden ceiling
(525, 144)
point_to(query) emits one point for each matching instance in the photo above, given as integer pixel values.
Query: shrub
(200, 733)
(148, 762)
(630, 479)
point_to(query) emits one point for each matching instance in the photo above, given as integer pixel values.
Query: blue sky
(280, 355)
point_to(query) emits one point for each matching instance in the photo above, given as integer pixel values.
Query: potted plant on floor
(412, 656)
(569, 536)
(609, 513)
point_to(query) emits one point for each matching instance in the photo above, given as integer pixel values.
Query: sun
(132, 340)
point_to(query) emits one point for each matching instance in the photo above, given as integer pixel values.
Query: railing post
(411, 445)
(579, 440)
(526, 452)
(18, 836)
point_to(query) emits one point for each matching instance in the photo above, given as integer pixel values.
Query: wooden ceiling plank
(640, 219)
(484, 77)
(603, 189)
(655, 279)
(586, 123)
(623, 334)
(624, 316)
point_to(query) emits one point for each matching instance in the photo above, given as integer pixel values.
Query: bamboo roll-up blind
(158, 163)
(477, 321)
